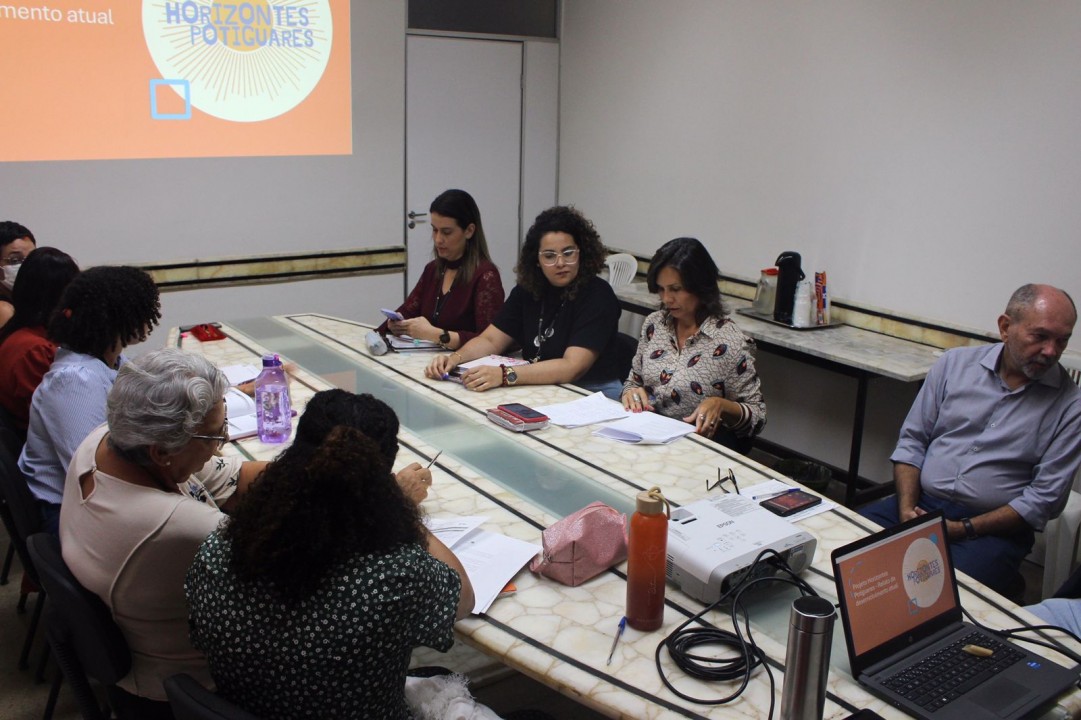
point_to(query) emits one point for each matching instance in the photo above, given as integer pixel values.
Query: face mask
(10, 271)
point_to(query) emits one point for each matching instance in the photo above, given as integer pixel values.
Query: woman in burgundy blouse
(460, 291)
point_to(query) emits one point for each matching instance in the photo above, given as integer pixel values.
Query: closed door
(463, 130)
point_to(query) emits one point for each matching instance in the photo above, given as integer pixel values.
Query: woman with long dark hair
(460, 290)
(693, 363)
(311, 599)
(26, 352)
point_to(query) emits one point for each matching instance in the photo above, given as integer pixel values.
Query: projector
(712, 544)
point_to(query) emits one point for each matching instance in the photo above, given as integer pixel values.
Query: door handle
(414, 216)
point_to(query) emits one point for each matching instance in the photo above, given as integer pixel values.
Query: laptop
(907, 642)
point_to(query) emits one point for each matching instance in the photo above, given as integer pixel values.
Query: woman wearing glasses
(142, 494)
(459, 291)
(560, 313)
(693, 363)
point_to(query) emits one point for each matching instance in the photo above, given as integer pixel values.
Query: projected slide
(174, 78)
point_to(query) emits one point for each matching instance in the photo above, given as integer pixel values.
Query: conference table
(524, 482)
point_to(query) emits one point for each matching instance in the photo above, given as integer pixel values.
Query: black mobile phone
(790, 502)
(524, 412)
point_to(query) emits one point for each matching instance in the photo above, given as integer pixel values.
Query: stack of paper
(240, 412)
(490, 559)
(591, 409)
(405, 343)
(646, 428)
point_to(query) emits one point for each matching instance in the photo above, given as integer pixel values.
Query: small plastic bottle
(274, 412)
(647, 547)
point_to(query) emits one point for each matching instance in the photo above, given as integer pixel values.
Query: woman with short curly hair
(102, 311)
(562, 315)
(311, 600)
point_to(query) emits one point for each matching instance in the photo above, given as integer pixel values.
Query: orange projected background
(195, 78)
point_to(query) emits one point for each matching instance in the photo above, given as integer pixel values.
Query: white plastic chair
(622, 267)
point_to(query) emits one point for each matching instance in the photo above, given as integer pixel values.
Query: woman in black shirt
(560, 313)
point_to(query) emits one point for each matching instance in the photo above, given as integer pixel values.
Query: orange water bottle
(647, 547)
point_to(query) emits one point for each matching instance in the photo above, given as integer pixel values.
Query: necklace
(544, 333)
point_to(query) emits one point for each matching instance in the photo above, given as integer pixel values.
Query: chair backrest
(622, 267)
(191, 701)
(78, 619)
(11, 435)
(626, 347)
(21, 515)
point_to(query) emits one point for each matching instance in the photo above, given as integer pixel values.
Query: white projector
(712, 544)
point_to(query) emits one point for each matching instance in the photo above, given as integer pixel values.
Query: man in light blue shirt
(993, 440)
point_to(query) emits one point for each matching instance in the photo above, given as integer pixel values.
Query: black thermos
(789, 273)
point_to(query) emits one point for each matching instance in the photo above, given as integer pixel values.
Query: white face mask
(10, 271)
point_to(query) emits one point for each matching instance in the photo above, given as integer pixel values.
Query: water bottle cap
(812, 614)
(770, 271)
(272, 360)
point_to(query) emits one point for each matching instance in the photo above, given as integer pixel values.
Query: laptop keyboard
(950, 672)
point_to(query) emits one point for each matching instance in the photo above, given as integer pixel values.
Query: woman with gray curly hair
(143, 492)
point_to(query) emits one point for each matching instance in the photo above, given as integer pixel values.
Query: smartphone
(790, 503)
(523, 412)
(392, 314)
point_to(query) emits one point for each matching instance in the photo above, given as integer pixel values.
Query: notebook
(901, 613)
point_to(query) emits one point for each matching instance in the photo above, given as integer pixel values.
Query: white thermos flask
(807, 660)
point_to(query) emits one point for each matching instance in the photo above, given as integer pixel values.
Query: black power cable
(682, 642)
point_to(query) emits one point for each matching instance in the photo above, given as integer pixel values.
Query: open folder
(646, 428)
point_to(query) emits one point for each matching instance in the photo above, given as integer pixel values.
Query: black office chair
(21, 518)
(84, 639)
(191, 701)
(12, 439)
(626, 347)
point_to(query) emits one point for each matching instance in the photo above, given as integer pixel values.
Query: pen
(775, 494)
(435, 458)
(615, 640)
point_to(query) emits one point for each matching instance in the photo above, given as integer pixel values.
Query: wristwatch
(509, 376)
(444, 338)
(970, 529)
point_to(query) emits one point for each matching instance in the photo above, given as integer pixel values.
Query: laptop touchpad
(999, 697)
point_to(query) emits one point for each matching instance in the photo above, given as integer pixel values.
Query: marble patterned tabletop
(853, 347)
(560, 635)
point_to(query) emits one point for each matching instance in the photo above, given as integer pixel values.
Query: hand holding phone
(392, 314)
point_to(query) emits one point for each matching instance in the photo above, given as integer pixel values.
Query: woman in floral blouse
(310, 601)
(693, 363)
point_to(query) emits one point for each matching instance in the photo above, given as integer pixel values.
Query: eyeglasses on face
(219, 439)
(551, 257)
(14, 259)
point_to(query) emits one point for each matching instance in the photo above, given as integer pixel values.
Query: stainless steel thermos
(807, 661)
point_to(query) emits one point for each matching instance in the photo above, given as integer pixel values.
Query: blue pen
(776, 494)
(615, 641)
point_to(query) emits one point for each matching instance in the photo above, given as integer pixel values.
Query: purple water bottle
(273, 409)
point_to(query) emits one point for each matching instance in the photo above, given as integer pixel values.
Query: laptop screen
(896, 585)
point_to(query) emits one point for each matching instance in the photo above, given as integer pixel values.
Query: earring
(168, 462)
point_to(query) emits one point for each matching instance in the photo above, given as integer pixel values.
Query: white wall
(926, 154)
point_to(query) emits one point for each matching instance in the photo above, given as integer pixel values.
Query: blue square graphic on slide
(185, 93)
